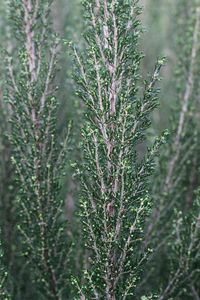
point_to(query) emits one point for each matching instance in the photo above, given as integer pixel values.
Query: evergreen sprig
(171, 225)
(115, 199)
(39, 154)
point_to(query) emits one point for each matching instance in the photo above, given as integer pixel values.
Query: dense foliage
(115, 198)
(96, 200)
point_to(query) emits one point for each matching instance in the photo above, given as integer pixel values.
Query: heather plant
(173, 225)
(39, 154)
(176, 162)
(136, 232)
(114, 178)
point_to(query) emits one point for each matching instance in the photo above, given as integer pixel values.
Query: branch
(185, 104)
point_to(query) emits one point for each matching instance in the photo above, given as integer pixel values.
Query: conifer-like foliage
(136, 232)
(174, 223)
(115, 199)
(178, 159)
(39, 155)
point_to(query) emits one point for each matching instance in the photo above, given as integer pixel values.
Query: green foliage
(115, 199)
(173, 221)
(39, 153)
(135, 235)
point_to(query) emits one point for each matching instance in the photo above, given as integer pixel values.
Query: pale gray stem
(30, 44)
(185, 104)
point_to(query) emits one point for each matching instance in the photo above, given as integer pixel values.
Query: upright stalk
(115, 199)
(39, 154)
